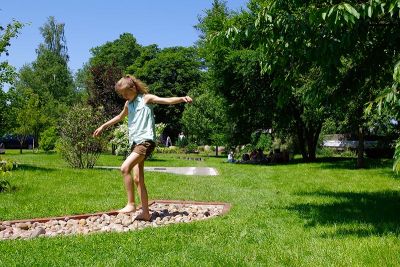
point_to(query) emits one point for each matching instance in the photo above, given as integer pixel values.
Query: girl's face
(128, 93)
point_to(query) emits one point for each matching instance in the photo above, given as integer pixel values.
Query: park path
(175, 170)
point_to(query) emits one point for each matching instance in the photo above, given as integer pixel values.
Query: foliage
(44, 88)
(191, 148)
(106, 66)
(264, 142)
(316, 59)
(8, 32)
(76, 144)
(120, 139)
(160, 127)
(54, 38)
(182, 142)
(100, 85)
(171, 72)
(6, 166)
(206, 119)
(48, 139)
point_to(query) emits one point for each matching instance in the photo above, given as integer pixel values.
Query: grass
(316, 214)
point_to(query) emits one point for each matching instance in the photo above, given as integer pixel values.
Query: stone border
(163, 212)
(226, 208)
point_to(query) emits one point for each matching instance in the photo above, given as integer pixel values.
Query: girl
(139, 109)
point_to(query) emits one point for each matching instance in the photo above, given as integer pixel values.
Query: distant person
(253, 155)
(139, 109)
(231, 158)
(168, 143)
(2, 150)
(181, 136)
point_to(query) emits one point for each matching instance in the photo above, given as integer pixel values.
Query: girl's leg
(136, 171)
(126, 169)
(139, 181)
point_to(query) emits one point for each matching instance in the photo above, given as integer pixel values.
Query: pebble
(161, 214)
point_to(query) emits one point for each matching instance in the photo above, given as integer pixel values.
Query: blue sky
(90, 23)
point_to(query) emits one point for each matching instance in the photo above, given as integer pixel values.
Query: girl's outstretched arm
(113, 121)
(153, 99)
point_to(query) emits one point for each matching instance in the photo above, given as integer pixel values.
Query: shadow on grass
(346, 163)
(352, 212)
(155, 160)
(28, 167)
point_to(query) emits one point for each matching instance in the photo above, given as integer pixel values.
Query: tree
(11, 30)
(206, 117)
(314, 53)
(172, 72)
(54, 39)
(100, 84)
(106, 66)
(29, 119)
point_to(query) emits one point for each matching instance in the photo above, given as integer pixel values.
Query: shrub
(5, 186)
(120, 139)
(264, 142)
(5, 170)
(76, 143)
(182, 142)
(191, 148)
(48, 139)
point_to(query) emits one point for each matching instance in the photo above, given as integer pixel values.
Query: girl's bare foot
(128, 208)
(143, 217)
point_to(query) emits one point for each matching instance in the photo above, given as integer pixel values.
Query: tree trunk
(312, 141)
(216, 151)
(300, 137)
(360, 148)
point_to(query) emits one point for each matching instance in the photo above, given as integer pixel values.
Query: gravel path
(162, 214)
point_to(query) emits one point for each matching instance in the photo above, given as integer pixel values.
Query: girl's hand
(98, 131)
(187, 99)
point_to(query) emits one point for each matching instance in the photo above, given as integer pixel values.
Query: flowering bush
(120, 139)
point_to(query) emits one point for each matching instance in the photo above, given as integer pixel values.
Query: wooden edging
(225, 209)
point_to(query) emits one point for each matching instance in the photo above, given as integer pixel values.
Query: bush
(76, 143)
(48, 139)
(183, 142)
(5, 170)
(264, 142)
(121, 140)
(5, 186)
(191, 148)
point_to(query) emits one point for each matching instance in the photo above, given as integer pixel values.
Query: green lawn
(318, 214)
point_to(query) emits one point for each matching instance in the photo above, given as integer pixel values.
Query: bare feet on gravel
(143, 217)
(128, 208)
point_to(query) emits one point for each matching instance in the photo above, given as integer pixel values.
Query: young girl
(139, 109)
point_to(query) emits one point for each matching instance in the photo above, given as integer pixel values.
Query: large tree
(11, 30)
(7, 72)
(106, 66)
(172, 72)
(320, 57)
(48, 79)
(236, 74)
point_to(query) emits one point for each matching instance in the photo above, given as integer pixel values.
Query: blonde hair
(130, 81)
